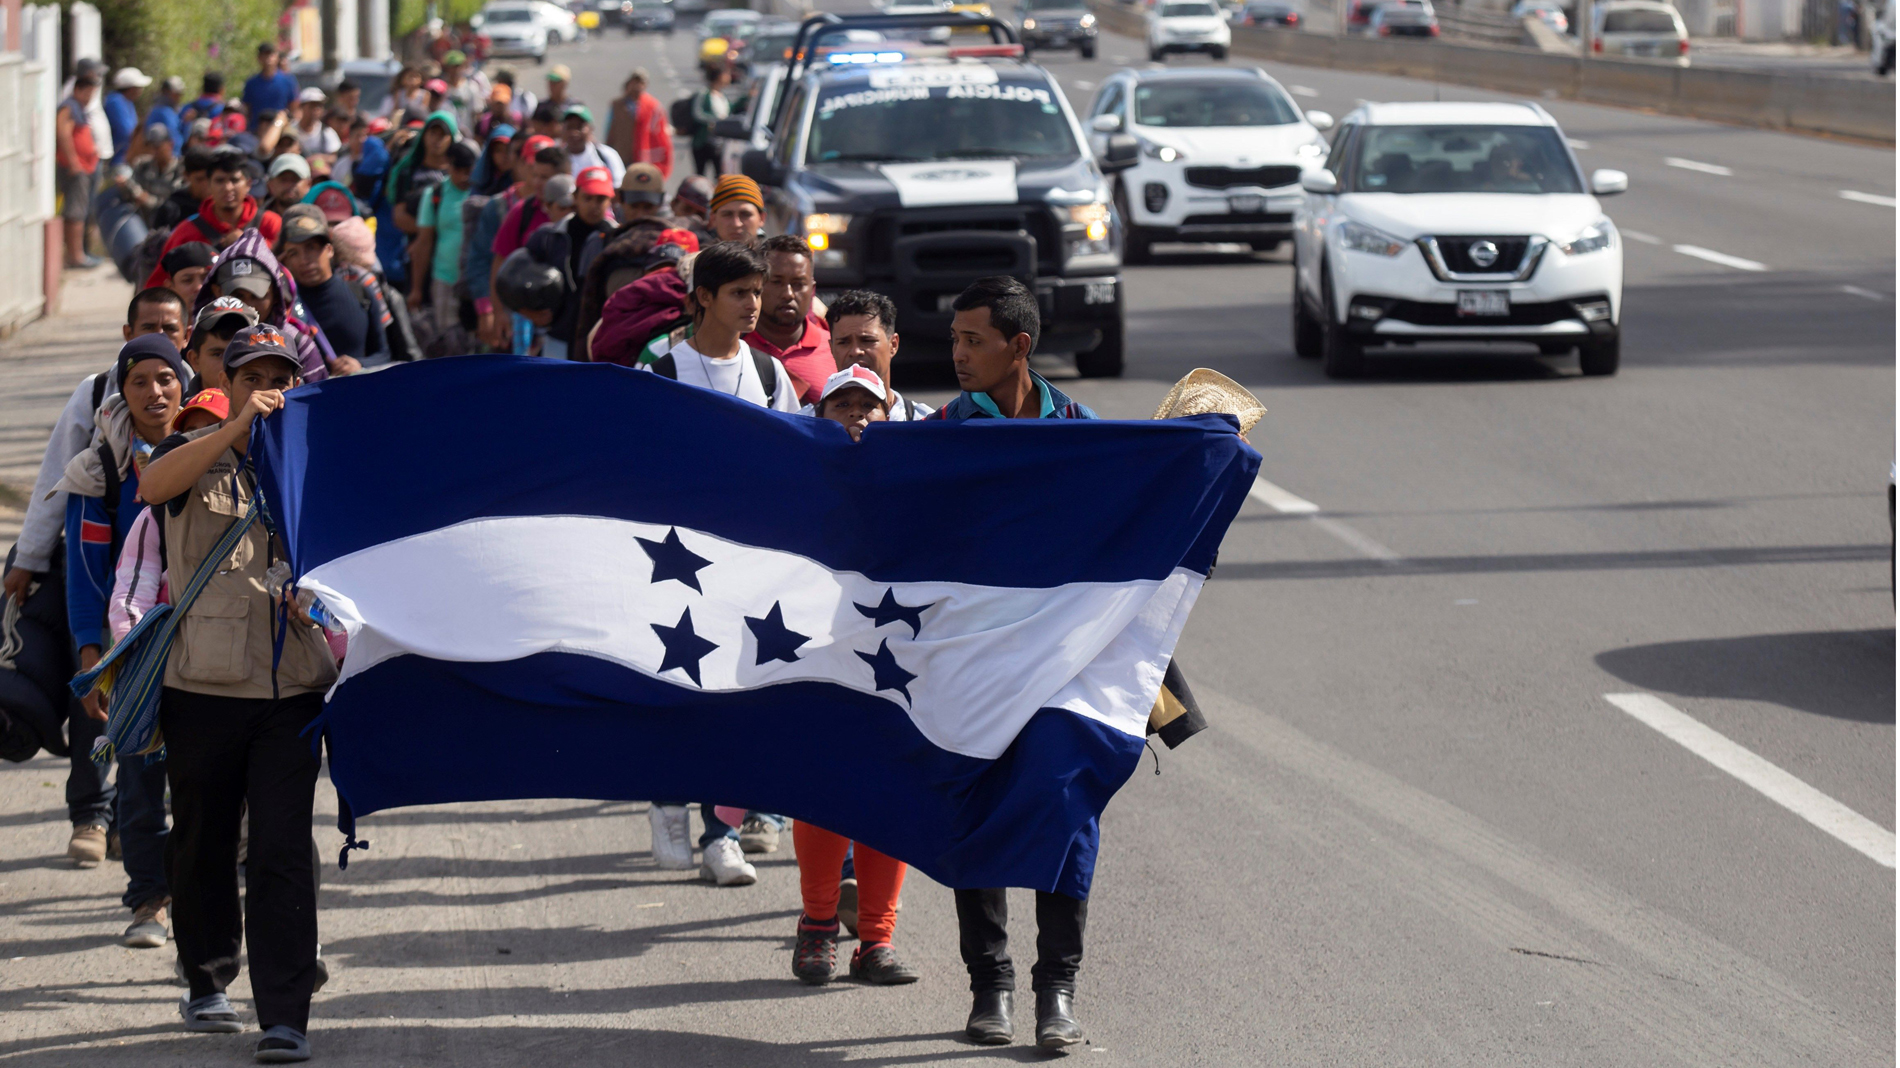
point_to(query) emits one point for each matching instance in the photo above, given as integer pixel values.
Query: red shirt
(809, 357)
(640, 134)
(207, 227)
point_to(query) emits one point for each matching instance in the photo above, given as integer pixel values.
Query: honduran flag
(567, 580)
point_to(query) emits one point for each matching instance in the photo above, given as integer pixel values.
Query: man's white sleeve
(784, 395)
(45, 520)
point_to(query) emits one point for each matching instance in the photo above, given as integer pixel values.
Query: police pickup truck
(914, 167)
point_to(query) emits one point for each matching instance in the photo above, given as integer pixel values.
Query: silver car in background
(1641, 29)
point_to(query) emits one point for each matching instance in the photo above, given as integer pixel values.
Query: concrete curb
(1799, 103)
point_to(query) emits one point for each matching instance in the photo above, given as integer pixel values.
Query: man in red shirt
(227, 212)
(787, 328)
(637, 129)
(76, 158)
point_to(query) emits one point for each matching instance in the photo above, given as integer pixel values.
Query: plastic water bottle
(278, 577)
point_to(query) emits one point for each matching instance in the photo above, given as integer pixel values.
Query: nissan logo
(1484, 253)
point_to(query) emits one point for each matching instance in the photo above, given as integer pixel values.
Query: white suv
(1187, 26)
(1455, 222)
(1222, 149)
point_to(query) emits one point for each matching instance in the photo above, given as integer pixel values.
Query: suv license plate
(1484, 302)
(1245, 204)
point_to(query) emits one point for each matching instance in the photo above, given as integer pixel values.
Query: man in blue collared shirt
(271, 88)
(122, 110)
(994, 331)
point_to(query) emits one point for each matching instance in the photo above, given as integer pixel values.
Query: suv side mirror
(758, 165)
(1606, 182)
(1106, 123)
(1323, 182)
(1122, 152)
(1321, 120)
(732, 129)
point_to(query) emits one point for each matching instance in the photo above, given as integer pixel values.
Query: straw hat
(1206, 390)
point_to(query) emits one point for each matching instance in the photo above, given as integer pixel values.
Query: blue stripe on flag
(355, 462)
(559, 725)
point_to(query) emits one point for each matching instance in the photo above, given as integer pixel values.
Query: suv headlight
(1029, 24)
(1086, 21)
(819, 230)
(1164, 153)
(1592, 238)
(1363, 238)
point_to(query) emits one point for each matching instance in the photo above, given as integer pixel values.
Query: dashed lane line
(1869, 198)
(1576, 144)
(1302, 90)
(1856, 830)
(1722, 258)
(1867, 294)
(1694, 165)
(1287, 503)
(1638, 235)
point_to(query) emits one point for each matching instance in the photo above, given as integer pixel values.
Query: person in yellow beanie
(737, 209)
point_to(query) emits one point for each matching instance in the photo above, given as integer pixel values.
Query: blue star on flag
(886, 673)
(889, 611)
(684, 648)
(776, 640)
(673, 560)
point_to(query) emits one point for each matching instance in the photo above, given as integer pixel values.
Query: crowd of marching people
(299, 235)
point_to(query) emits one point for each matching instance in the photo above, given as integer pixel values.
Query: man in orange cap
(737, 209)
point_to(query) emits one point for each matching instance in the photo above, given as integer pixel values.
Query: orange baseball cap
(205, 400)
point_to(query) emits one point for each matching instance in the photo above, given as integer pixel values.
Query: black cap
(151, 347)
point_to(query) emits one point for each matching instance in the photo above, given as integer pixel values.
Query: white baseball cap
(290, 161)
(311, 95)
(857, 376)
(130, 78)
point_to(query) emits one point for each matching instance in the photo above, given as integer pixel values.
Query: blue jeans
(717, 828)
(142, 828)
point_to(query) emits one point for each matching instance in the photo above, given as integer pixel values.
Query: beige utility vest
(226, 640)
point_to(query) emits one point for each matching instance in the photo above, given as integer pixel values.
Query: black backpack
(681, 112)
(767, 367)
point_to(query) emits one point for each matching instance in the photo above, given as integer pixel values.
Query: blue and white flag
(578, 581)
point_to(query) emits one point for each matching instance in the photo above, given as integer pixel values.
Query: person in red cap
(560, 245)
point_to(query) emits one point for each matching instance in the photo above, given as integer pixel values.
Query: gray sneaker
(148, 926)
(758, 836)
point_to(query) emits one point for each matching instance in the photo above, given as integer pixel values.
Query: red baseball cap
(594, 181)
(207, 400)
(536, 144)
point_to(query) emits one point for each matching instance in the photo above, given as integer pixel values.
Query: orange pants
(821, 859)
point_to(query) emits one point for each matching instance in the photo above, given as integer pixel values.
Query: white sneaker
(725, 865)
(672, 836)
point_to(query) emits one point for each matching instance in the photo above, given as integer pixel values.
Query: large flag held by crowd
(944, 641)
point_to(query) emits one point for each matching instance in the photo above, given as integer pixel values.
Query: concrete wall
(1804, 103)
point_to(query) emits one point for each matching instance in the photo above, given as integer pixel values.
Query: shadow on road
(1846, 674)
(540, 945)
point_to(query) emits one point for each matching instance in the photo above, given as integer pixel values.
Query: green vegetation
(187, 37)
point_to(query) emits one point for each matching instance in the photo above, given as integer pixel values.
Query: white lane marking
(1576, 144)
(1081, 83)
(1359, 541)
(1638, 235)
(1773, 783)
(1857, 291)
(1722, 258)
(1302, 90)
(1693, 165)
(1869, 198)
(1280, 500)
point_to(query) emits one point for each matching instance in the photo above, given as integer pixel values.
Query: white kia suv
(1222, 149)
(1458, 222)
(1187, 26)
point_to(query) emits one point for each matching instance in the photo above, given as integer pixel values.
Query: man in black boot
(992, 335)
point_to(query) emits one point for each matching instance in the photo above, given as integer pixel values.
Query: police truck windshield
(925, 113)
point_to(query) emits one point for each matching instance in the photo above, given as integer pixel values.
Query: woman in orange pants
(820, 861)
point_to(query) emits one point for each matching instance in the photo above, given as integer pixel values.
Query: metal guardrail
(1803, 103)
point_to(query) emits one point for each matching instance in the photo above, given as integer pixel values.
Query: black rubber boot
(989, 1018)
(1055, 1020)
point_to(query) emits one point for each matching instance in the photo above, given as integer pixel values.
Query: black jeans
(706, 158)
(222, 754)
(90, 795)
(983, 935)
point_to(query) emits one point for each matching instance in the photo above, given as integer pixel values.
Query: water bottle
(278, 577)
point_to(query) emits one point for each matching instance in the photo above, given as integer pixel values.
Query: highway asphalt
(1419, 832)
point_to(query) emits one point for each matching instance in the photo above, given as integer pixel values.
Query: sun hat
(1205, 391)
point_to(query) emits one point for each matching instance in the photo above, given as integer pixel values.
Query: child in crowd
(854, 398)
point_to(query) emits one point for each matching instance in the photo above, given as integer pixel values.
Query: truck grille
(1225, 177)
(887, 228)
(1457, 253)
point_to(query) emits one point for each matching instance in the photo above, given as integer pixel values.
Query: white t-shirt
(599, 155)
(737, 377)
(321, 141)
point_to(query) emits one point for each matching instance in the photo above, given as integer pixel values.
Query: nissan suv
(1049, 24)
(914, 169)
(1222, 149)
(1455, 222)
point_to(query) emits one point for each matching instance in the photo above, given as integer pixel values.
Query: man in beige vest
(232, 713)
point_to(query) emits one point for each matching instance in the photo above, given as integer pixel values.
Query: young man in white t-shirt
(728, 281)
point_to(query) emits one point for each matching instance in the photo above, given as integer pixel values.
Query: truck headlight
(1362, 238)
(820, 229)
(1029, 24)
(1093, 218)
(1593, 238)
(1086, 21)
